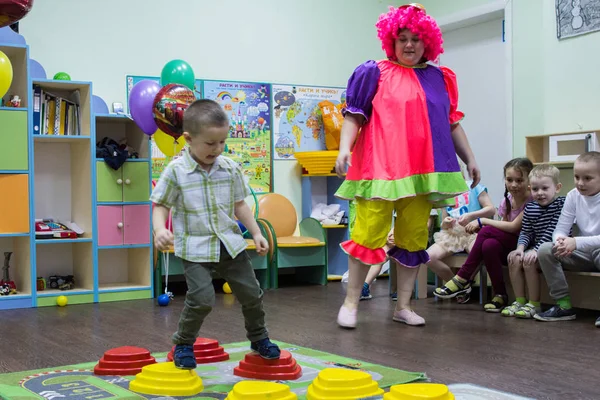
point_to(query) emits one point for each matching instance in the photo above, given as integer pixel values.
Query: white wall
(571, 78)
(482, 96)
(303, 42)
(556, 82)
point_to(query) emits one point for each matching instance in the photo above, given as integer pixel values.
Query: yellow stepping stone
(261, 390)
(165, 379)
(419, 391)
(342, 384)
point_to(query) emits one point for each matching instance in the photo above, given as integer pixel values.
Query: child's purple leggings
(492, 247)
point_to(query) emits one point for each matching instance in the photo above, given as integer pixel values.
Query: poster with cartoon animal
(577, 17)
(297, 120)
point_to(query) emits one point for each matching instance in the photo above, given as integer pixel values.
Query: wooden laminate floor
(459, 344)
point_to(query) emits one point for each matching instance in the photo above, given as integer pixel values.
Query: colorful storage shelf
(58, 175)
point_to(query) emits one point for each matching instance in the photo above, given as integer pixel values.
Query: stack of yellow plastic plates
(339, 384)
(165, 379)
(419, 391)
(260, 390)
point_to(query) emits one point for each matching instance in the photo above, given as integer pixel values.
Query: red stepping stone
(284, 368)
(206, 351)
(126, 360)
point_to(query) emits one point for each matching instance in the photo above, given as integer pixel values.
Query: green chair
(306, 252)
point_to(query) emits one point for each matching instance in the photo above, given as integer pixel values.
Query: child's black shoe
(266, 349)
(184, 357)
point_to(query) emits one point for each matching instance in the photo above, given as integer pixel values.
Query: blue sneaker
(266, 349)
(365, 294)
(556, 313)
(394, 296)
(184, 357)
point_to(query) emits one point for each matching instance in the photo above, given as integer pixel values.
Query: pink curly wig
(413, 18)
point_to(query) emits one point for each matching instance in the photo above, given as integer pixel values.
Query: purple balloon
(141, 102)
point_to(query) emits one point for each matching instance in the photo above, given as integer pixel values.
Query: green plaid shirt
(202, 205)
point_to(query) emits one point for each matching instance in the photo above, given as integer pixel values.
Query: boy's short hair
(590, 156)
(546, 170)
(203, 113)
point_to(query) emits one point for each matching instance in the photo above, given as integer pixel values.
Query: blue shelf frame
(68, 85)
(30, 300)
(96, 247)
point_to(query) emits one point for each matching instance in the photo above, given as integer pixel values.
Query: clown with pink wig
(402, 124)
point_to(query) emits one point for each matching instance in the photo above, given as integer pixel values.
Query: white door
(476, 54)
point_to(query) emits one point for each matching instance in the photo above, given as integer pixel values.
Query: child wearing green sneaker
(539, 220)
(495, 239)
(580, 253)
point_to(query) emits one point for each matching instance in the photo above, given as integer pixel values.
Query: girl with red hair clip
(403, 114)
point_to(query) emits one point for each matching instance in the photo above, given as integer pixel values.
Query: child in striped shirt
(539, 220)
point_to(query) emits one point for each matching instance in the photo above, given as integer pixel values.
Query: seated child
(204, 190)
(581, 253)
(495, 239)
(452, 237)
(539, 220)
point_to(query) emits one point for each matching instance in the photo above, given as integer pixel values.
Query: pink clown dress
(405, 147)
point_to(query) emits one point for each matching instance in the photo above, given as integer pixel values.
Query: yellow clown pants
(370, 222)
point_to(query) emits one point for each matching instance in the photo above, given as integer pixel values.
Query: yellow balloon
(167, 144)
(6, 73)
(226, 288)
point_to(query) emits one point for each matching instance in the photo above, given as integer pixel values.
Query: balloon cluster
(158, 109)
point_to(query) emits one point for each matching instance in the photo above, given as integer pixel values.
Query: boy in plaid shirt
(204, 190)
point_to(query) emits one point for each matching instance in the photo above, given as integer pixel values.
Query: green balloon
(178, 72)
(62, 76)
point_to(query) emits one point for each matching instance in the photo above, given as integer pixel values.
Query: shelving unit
(538, 149)
(319, 184)
(16, 183)
(59, 177)
(123, 211)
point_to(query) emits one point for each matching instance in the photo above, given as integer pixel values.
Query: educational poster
(248, 106)
(577, 17)
(297, 121)
(133, 79)
(160, 161)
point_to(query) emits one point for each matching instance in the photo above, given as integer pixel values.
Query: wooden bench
(584, 289)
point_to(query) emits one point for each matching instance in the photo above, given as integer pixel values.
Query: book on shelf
(54, 114)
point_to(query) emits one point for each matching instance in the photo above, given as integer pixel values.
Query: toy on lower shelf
(66, 282)
(7, 286)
